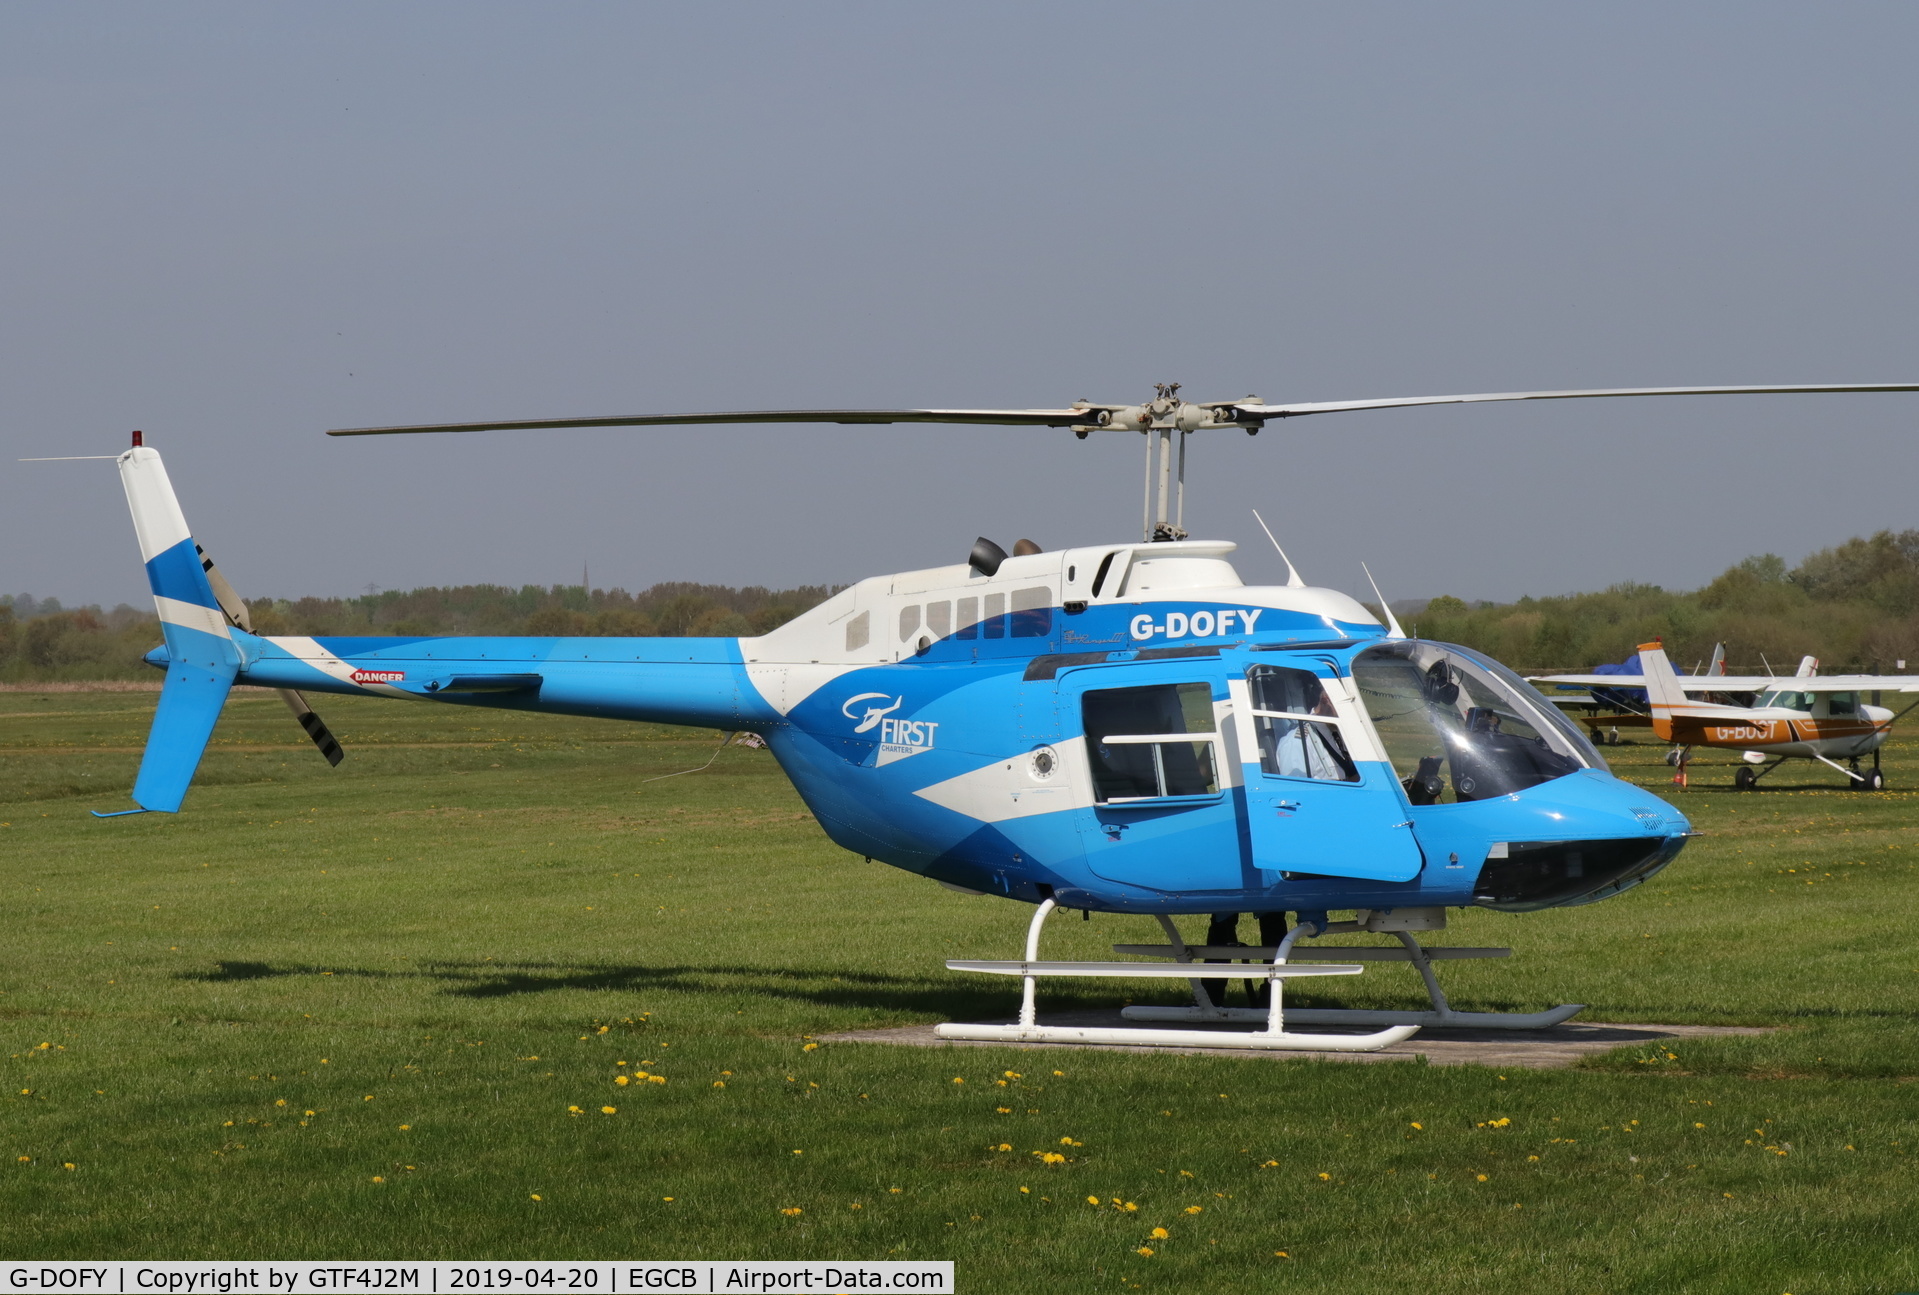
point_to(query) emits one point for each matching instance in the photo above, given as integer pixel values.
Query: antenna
(1292, 573)
(1392, 621)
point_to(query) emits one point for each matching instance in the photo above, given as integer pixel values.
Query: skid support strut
(1274, 1037)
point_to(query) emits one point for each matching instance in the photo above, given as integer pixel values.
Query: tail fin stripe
(177, 574)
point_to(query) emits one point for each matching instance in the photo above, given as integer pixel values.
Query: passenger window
(1843, 703)
(939, 619)
(1152, 742)
(995, 623)
(1032, 612)
(1291, 745)
(909, 621)
(968, 619)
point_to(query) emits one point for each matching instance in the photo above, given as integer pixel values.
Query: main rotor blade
(1008, 417)
(1259, 410)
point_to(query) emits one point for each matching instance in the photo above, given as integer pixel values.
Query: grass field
(383, 1011)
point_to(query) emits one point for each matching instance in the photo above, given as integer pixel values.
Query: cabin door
(1317, 802)
(1159, 772)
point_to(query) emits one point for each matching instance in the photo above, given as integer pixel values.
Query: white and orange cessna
(1803, 717)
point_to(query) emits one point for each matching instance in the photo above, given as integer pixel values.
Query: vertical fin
(202, 659)
(1663, 689)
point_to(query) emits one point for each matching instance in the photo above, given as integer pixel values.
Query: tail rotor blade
(314, 726)
(232, 606)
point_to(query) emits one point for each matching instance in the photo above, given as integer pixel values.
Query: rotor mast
(1166, 421)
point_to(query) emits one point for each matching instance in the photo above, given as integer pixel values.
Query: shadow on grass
(836, 988)
(941, 995)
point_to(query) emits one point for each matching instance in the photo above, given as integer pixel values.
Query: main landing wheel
(1873, 781)
(1672, 757)
(1745, 780)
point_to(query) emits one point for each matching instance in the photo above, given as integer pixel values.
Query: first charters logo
(898, 738)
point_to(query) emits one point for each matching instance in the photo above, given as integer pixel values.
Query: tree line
(40, 640)
(1855, 606)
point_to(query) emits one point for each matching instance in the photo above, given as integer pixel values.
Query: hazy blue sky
(237, 225)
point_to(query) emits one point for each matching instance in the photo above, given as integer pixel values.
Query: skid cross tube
(1273, 1038)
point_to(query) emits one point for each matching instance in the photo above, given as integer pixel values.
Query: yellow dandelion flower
(1419, 1126)
(609, 1110)
(1092, 1200)
(1532, 1157)
(1160, 1234)
(1325, 1178)
(1281, 1254)
(535, 1195)
(1004, 1146)
(895, 1190)
(1052, 1158)
(1145, 1250)
(367, 1098)
(792, 1211)
(798, 1152)
(574, 1110)
(1130, 1208)
(1026, 1191)
(1059, 1074)
(1697, 1125)
(622, 1080)
(405, 1128)
(811, 1047)
(656, 1079)
(1195, 1209)
(719, 1083)
(666, 1198)
(1012, 1074)
(26, 1159)
(1482, 1178)
(958, 1080)
(281, 1102)
(1002, 1110)
(378, 1179)
(68, 1164)
(1270, 1164)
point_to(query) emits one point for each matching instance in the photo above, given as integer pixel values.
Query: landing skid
(1274, 1037)
(1422, 958)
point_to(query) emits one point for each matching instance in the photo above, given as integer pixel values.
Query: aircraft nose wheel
(1745, 780)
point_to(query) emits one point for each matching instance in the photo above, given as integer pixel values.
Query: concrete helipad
(1560, 1046)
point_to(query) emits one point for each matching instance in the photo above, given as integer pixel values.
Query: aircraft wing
(1748, 683)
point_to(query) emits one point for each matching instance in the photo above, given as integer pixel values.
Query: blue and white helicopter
(1120, 728)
